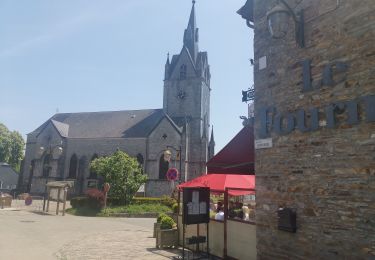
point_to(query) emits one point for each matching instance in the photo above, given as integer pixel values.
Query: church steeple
(211, 145)
(167, 65)
(191, 35)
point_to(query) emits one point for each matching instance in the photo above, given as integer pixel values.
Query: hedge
(113, 201)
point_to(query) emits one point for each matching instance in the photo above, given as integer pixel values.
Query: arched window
(93, 174)
(46, 165)
(73, 167)
(81, 173)
(163, 167)
(82, 166)
(183, 71)
(140, 160)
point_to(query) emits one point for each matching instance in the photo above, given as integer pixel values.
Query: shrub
(161, 215)
(95, 199)
(175, 208)
(146, 200)
(122, 172)
(168, 201)
(167, 223)
(78, 202)
(114, 201)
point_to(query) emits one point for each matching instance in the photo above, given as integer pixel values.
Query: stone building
(63, 146)
(315, 111)
(8, 178)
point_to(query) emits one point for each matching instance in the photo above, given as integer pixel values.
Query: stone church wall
(325, 173)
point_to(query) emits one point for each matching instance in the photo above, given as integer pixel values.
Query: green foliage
(168, 201)
(81, 207)
(165, 200)
(146, 200)
(95, 198)
(113, 201)
(167, 222)
(84, 211)
(11, 147)
(137, 209)
(161, 215)
(175, 208)
(122, 172)
(78, 202)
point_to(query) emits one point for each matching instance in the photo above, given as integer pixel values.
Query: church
(63, 146)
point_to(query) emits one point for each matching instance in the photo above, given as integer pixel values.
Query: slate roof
(62, 128)
(110, 124)
(7, 174)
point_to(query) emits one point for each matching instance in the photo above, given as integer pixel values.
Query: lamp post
(168, 155)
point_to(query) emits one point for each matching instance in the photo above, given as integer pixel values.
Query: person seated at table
(246, 212)
(231, 212)
(212, 209)
(220, 213)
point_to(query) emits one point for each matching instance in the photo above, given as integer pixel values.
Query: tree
(11, 147)
(122, 172)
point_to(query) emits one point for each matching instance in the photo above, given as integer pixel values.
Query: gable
(48, 132)
(183, 59)
(166, 127)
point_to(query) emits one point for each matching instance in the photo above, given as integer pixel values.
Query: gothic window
(81, 166)
(183, 71)
(73, 167)
(163, 167)
(81, 172)
(93, 174)
(46, 165)
(140, 159)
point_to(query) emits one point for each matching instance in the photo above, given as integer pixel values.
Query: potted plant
(167, 235)
(157, 224)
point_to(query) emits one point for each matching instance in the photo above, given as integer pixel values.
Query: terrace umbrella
(245, 184)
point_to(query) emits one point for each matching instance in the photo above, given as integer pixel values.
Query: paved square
(27, 235)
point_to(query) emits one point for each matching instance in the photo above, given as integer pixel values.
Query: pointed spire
(192, 20)
(167, 59)
(211, 145)
(167, 68)
(212, 140)
(191, 34)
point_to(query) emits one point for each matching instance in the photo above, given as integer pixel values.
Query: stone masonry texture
(328, 175)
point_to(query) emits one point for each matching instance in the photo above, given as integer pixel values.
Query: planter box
(5, 201)
(156, 229)
(166, 238)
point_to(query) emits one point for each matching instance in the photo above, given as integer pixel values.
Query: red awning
(219, 182)
(237, 157)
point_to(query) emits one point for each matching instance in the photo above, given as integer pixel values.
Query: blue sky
(91, 55)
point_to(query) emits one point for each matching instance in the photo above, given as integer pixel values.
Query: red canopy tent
(241, 184)
(237, 157)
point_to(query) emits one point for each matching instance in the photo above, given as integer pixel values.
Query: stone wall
(322, 169)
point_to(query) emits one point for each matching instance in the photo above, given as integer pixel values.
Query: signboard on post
(196, 203)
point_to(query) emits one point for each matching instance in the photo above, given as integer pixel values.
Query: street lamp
(278, 19)
(168, 156)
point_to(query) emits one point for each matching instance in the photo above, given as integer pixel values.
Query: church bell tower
(187, 96)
